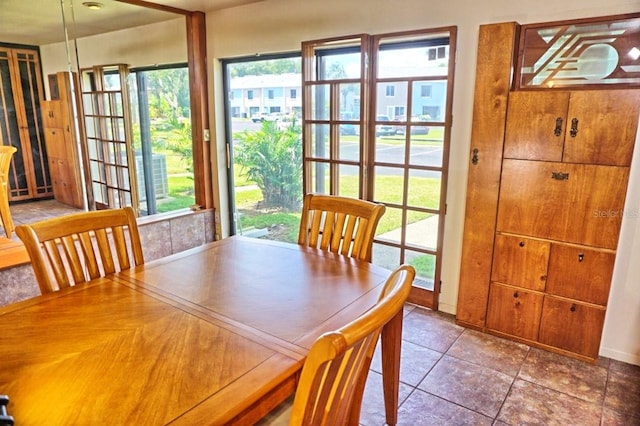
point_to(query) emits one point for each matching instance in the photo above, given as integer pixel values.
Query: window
(390, 90)
(425, 91)
(293, 94)
(372, 135)
(249, 94)
(270, 94)
(161, 113)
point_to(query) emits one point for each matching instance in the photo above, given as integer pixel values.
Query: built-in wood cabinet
(574, 127)
(62, 143)
(559, 205)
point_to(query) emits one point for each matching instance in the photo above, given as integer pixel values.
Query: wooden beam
(197, 58)
(161, 7)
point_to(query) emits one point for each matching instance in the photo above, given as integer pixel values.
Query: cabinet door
(51, 114)
(536, 123)
(572, 326)
(605, 127)
(55, 143)
(514, 311)
(521, 262)
(580, 274)
(574, 203)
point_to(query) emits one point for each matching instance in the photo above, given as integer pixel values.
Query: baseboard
(620, 356)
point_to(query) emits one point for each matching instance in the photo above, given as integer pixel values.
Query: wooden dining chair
(6, 152)
(339, 224)
(333, 376)
(79, 247)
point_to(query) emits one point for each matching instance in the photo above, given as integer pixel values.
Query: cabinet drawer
(580, 274)
(571, 326)
(521, 262)
(514, 311)
(575, 203)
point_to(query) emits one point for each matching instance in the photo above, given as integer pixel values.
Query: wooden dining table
(214, 335)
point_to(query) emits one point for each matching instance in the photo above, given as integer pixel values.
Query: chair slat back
(339, 224)
(332, 379)
(6, 153)
(76, 248)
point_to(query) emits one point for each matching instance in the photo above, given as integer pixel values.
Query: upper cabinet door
(536, 123)
(601, 127)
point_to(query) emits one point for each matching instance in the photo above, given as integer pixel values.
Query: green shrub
(272, 158)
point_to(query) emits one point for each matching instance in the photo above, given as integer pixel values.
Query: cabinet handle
(474, 158)
(580, 257)
(558, 130)
(574, 127)
(515, 294)
(573, 307)
(559, 176)
(521, 244)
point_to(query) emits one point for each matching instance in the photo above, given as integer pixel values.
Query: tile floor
(38, 210)
(455, 376)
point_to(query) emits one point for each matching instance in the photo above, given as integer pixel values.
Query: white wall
(280, 25)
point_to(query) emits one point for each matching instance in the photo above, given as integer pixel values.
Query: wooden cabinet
(591, 127)
(62, 144)
(548, 174)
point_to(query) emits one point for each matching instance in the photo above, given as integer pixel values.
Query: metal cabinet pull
(580, 257)
(574, 127)
(573, 307)
(474, 158)
(515, 294)
(558, 130)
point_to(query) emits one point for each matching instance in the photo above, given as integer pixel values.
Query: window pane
(385, 256)
(164, 150)
(392, 100)
(349, 146)
(320, 102)
(390, 150)
(422, 230)
(349, 102)
(320, 177)
(390, 225)
(413, 61)
(425, 265)
(424, 189)
(389, 185)
(429, 100)
(319, 141)
(426, 146)
(349, 181)
(339, 66)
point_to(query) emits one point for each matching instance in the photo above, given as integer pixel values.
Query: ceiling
(39, 22)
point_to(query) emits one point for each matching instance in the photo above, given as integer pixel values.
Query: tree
(272, 158)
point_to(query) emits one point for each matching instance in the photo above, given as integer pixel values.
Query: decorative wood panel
(493, 79)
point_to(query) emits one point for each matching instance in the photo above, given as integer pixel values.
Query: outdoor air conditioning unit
(159, 173)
